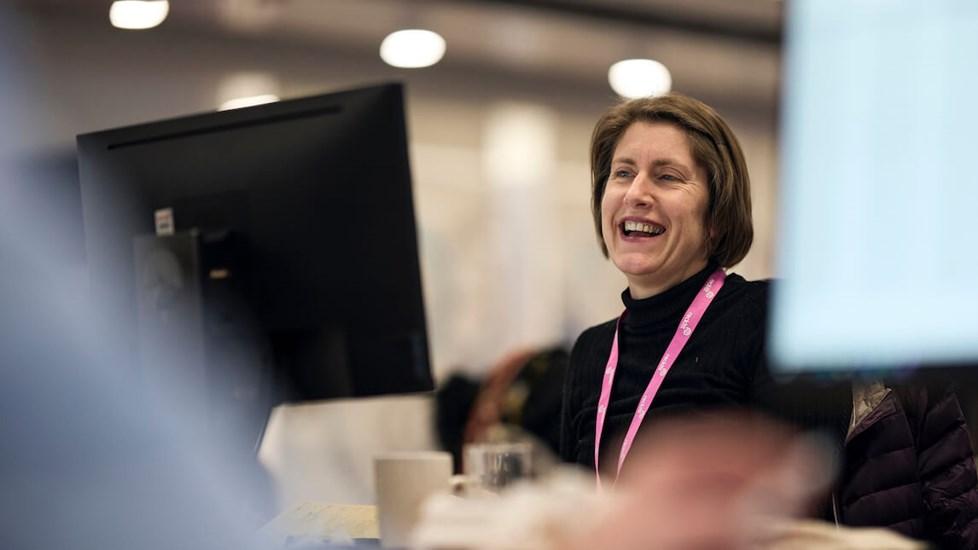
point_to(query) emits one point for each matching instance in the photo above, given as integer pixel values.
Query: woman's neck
(640, 287)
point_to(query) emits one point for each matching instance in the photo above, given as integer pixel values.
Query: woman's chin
(639, 267)
(647, 276)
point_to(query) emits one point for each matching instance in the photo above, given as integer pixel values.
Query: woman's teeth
(632, 227)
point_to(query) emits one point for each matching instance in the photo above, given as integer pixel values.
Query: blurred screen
(879, 189)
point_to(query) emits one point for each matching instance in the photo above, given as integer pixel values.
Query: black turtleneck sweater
(722, 366)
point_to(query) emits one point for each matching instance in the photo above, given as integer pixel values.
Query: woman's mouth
(631, 228)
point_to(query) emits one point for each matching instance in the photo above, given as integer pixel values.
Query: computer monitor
(876, 246)
(292, 265)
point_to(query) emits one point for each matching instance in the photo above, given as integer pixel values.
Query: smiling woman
(671, 207)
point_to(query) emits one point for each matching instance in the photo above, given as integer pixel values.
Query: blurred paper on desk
(322, 524)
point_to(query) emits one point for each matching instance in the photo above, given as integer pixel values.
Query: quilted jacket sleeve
(947, 469)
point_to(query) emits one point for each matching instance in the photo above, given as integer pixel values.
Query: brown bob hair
(713, 146)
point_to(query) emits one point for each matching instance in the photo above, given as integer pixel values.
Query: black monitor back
(294, 234)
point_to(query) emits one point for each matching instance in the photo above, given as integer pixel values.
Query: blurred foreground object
(526, 516)
(818, 535)
(878, 186)
(85, 462)
(732, 482)
(717, 484)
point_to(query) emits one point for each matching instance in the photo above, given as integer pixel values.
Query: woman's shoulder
(594, 342)
(589, 353)
(759, 287)
(752, 297)
(598, 335)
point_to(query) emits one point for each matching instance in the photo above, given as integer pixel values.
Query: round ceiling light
(138, 14)
(412, 48)
(639, 78)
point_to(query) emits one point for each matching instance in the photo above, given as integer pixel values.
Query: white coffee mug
(402, 481)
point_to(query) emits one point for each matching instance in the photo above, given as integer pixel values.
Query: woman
(671, 207)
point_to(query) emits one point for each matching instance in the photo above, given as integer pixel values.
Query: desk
(337, 524)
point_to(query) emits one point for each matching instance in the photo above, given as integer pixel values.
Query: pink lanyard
(683, 332)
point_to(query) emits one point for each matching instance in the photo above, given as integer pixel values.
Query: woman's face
(653, 209)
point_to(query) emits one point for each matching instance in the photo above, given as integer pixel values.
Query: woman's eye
(622, 174)
(670, 177)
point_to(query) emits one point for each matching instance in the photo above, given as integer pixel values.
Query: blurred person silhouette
(672, 210)
(453, 405)
(519, 399)
(522, 390)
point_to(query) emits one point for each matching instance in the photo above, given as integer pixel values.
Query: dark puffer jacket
(910, 467)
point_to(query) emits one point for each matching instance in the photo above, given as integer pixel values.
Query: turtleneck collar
(667, 306)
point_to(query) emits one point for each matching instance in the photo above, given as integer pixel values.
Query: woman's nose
(639, 193)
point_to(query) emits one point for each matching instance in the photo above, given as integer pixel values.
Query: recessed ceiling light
(412, 48)
(639, 78)
(138, 14)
